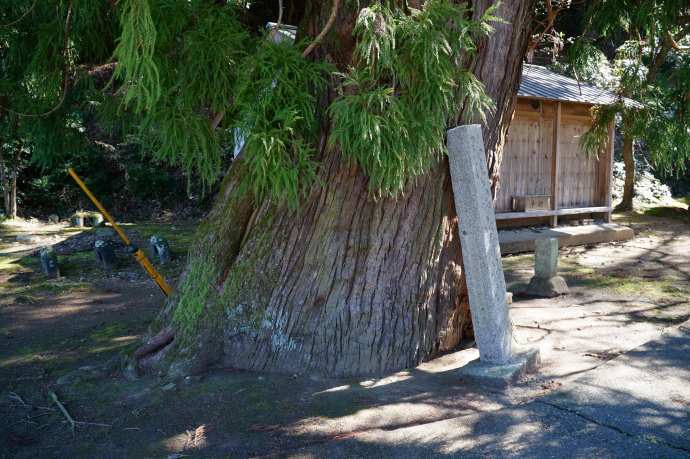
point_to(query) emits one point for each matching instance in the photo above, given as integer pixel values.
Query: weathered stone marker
(481, 253)
(546, 281)
(500, 362)
(546, 257)
(49, 261)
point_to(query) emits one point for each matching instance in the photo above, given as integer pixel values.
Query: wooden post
(555, 147)
(608, 197)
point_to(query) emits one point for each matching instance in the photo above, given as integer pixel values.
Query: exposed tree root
(162, 339)
(62, 408)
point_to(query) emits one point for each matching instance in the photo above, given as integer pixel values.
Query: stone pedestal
(546, 281)
(480, 249)
(502, 376)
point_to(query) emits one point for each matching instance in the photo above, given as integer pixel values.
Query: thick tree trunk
(15, 171)
(629, 187)
(347, 283)
(5, 184)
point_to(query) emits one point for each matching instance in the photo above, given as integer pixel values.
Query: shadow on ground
(622, 297)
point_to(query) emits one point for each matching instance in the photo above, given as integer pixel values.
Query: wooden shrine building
(544, 175)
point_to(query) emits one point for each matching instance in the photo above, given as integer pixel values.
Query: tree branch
(672, 41)
(550, 17)
(655, 63)
(325, 30)
(280, 19)
(218, 116)
(66, 77)
(22, 16)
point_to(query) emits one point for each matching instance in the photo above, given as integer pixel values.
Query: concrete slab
(529, 431)
(523, 241)
(635, 406)
(501, 376)
(645, 392)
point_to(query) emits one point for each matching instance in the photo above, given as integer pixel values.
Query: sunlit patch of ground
(623, 294)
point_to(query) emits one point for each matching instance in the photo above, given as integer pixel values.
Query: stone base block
(548, 288)
(502, 376)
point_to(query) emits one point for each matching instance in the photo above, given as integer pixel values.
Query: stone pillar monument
(500, 362)
(481, 253)
(546, 281)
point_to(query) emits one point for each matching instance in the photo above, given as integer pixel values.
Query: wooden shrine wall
(526, 168)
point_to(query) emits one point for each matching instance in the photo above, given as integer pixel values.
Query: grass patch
(109, 331)
(14, 262)
(674, 213)
(524, 261)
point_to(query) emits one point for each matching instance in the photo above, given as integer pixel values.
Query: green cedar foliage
(275, 111)
(135, 55)
(647, 69)
(183, 62)
(178, 64)
(45, 49)
(390, 115)
(394, 106)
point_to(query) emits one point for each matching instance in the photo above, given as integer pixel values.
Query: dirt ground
(622, 295)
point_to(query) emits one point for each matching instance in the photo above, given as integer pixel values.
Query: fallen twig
(263, 428)
(680, 400)
(14, 396)
(63, 409)
(69, 418)
(92, 424)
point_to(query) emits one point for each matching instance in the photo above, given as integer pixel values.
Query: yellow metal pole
(138, 254)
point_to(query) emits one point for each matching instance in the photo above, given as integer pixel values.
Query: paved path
(522, 240)
(635, 406)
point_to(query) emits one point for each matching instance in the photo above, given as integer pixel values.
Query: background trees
(60, 107)
(638, 49)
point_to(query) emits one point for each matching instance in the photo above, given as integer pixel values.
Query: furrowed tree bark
(629, 186)
(15, 171)
(345, 284)
(5, 184)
